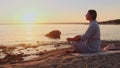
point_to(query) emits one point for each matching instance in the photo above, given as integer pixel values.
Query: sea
(15, 34)
(31, 34)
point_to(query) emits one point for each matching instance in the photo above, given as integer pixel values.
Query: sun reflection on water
(29, 32)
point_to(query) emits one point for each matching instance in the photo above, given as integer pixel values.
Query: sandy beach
(17, 61)
(59, 34)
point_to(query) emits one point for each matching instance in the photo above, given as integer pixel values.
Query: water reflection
(28, 52)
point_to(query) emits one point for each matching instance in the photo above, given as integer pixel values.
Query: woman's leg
(78, 46)
(75, 45)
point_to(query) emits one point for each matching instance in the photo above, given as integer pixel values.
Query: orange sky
(53, 11)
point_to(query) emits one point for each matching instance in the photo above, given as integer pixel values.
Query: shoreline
(17, 59)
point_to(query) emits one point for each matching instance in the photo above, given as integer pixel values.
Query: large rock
(55, 34)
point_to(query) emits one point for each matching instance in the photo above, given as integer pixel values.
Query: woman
(90, 41)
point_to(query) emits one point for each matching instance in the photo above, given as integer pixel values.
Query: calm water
(17, 34)
(31, 33)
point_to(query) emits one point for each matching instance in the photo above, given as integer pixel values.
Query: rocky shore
(60, 59)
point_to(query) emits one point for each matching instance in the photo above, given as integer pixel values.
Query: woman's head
(91, 15)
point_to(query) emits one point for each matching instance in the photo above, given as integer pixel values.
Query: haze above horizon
(46, 11)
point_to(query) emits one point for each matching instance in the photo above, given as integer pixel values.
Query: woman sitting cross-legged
(90, 41)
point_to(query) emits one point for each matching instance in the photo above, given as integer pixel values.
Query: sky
(56, 11)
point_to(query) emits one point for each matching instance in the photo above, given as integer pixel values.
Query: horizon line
(61, 23)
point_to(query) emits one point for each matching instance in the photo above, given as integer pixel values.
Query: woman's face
(88, 16)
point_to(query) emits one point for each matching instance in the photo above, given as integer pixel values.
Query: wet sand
(42, 56)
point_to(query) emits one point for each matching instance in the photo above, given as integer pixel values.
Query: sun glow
(29, 18)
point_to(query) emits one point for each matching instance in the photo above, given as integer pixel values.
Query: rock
(10, 57)
(2, 46)
(105, 59)
(55, 34)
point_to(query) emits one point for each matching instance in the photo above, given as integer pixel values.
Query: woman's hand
(77, 38)
(69, 39)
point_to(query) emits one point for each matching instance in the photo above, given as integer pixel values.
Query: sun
(29, 18)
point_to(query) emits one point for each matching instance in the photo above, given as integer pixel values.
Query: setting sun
(29, 18)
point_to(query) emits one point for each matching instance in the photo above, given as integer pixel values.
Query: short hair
(93, 13)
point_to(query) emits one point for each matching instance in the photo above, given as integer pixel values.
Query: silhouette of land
(116, 21)
(110, 22)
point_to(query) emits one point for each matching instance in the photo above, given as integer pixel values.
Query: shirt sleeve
(89, 33)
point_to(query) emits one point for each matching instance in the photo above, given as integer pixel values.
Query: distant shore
(110, 22)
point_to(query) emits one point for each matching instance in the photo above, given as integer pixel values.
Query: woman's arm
(76, 38)
(89, 33)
